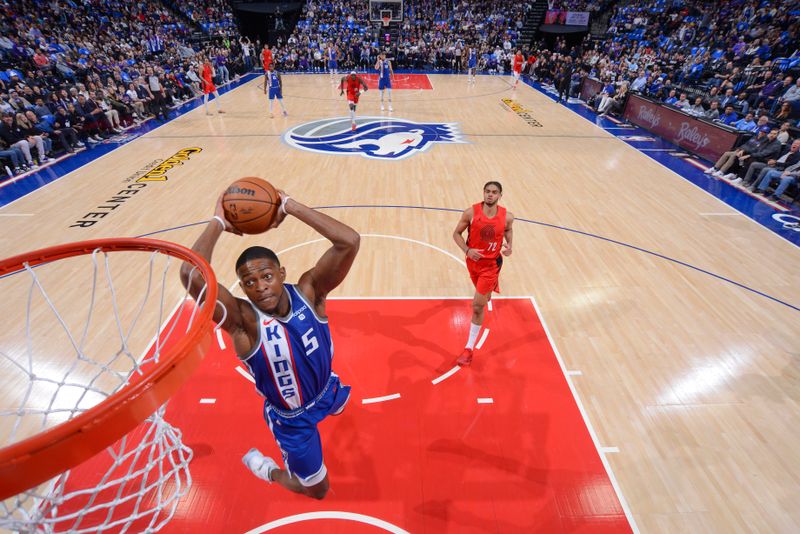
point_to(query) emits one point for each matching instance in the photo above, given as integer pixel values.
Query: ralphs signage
(702, 138)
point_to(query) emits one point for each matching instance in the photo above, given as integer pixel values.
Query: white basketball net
(63, 363)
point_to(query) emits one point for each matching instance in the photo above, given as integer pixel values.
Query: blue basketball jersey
(274, 82)
(291, 363)
(384, 70)
(473, 58)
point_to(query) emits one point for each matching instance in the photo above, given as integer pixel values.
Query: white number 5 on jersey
(310, 342)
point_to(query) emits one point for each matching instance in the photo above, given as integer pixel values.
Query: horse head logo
(375, 137)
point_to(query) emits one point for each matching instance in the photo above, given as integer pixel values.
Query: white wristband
(221, 221)
(283, 204)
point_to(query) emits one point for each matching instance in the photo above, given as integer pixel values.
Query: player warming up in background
(273, 84)
(472, 64)
(332, 55)
(280, 332)
(266, 58)
(352, 83)
(385, 75)
(519, 60)
(206, 72)
(487, 224)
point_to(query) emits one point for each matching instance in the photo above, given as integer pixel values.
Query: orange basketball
(251, 204)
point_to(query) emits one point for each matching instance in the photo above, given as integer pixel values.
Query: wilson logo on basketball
(240, 191)
(374, 138)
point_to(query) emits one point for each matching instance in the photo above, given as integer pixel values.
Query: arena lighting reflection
(591, 297)
(703, 380)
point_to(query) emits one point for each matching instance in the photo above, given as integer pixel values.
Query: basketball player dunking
(352, 83)
(280, 332)
(487, 224)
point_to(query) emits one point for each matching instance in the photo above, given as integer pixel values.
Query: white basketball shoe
(260, 465)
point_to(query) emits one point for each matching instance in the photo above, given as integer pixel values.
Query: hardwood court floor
(696, 380)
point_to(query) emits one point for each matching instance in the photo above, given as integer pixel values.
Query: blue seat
(782, 63)
(718, 53)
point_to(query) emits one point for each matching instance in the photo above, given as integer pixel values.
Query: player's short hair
(487, 184)
(255, 253)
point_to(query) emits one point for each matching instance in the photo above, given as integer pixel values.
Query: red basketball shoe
(465, 358)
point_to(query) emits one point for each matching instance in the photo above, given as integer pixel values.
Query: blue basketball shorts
(297, 435)
(384, 83)
(275, 93)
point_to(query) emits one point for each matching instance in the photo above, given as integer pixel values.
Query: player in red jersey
(488, 224)
(519, 59)
(206, 72)
(353, 84)
(266, 58)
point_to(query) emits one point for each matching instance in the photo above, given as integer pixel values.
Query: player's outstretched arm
(204, 246)
(335, 263)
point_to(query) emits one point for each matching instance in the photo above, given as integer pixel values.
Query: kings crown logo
(374, 137)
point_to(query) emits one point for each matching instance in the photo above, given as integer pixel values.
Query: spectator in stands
(13, 137)
(768, 148)
(683, 103)
(697, 108)
(747, 124)
(729, 99)
(136, 102)
(41, 109)
(34, 136)
(757, 171)
(713, 111)
(726, 161)
(786, 112)
(613, 103)
(792, 96)
(67, 137)
(783, 132)
(640, 82)
(62, 120)
(94, 119)
(787, 177)
(14, 156)
(112, 115)
(17, 102)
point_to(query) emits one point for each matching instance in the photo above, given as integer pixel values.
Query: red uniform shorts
(485, 274)
(352, 97)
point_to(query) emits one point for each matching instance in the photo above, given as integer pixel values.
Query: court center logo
(382, 138)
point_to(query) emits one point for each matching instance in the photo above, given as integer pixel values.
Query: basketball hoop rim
(32, 461)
